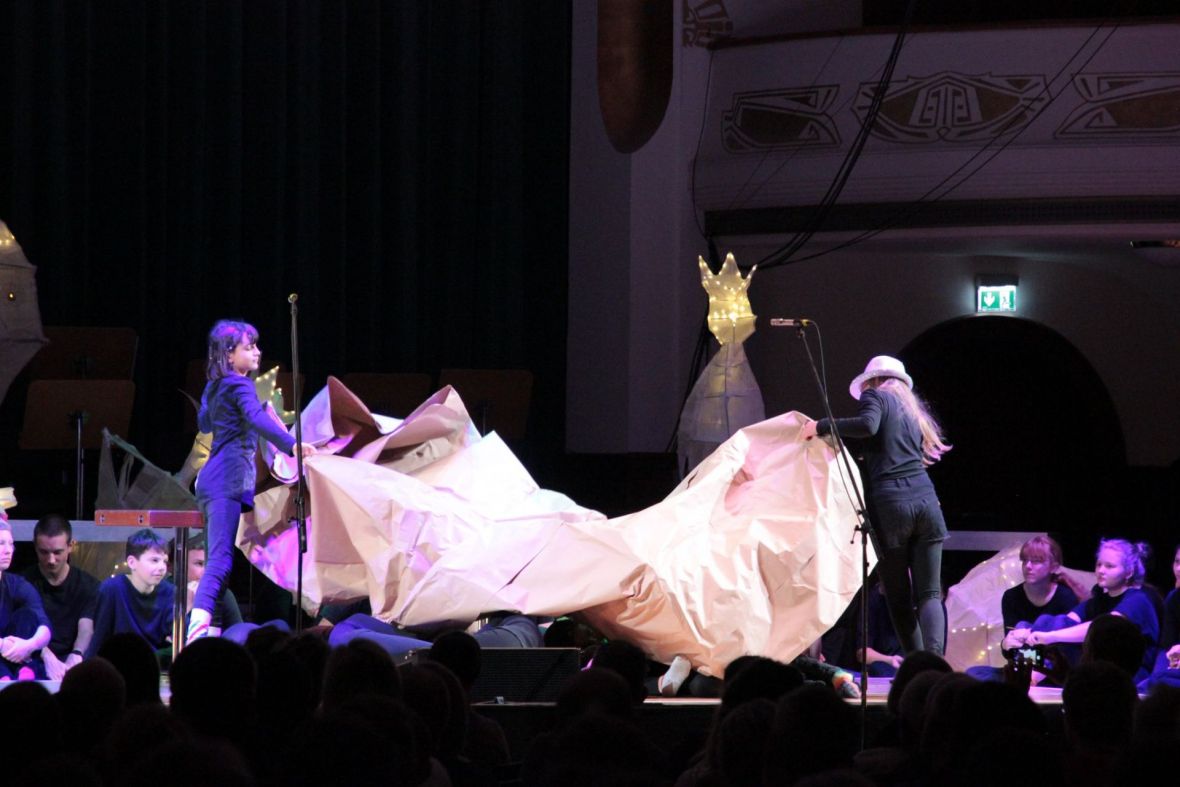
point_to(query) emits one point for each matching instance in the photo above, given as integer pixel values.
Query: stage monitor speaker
(516, 674)
(523, 674)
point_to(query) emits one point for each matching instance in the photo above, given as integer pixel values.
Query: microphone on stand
(790, 322)
(292, 298)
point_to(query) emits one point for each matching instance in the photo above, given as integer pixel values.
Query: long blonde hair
(934, 445)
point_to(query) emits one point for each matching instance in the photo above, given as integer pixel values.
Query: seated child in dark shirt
(139, 601)
(24, 628)
(1167, 665)
(68, 594)
(1119, 569)
(1045, 589)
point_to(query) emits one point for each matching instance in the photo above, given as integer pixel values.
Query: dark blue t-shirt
(1170, 631)
(15, 594)
(123, 608)
(1134, 605)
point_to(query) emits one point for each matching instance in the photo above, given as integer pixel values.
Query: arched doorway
(1038, 445)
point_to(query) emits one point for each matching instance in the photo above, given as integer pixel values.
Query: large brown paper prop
(752, 553)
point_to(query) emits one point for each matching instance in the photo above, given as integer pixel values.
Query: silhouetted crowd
(290, 710)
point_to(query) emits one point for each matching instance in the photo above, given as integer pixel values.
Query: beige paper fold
(752, 553)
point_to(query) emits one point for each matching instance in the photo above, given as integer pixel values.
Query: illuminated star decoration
(264, 386)
(730, 316)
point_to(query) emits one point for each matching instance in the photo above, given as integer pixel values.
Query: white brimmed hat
(7, 497)
(880, 366)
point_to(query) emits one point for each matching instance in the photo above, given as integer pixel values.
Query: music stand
(496, 399)
(85, 354)
(64, 414)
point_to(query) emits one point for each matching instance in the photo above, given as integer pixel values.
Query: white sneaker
(669, 682)
(198, 625)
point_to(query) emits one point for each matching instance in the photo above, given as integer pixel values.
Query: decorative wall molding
(1125, 106)
(953, 107)
(704, 22)
(780, 119)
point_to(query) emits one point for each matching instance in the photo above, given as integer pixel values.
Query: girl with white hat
(901, 439)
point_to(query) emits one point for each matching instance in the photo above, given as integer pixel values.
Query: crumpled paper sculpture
(751, 554)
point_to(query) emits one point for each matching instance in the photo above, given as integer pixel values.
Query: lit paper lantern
(726, 396)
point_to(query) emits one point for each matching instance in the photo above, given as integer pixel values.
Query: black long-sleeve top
(231, 411)
(893, 441)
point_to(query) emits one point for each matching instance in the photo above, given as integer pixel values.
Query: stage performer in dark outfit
(901, 440)
(230, 409)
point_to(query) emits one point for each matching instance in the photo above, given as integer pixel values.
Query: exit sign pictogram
(1000, 298)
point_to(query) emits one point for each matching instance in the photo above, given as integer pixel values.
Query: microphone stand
(77, 419)
(300, 512)
(864, 527)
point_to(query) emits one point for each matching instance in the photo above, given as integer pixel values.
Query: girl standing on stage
(230, 409)
(901, 440)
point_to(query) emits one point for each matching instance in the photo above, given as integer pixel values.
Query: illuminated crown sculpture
(730, 318)
(726, 396)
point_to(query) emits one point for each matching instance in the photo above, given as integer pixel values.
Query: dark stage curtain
(401, 165)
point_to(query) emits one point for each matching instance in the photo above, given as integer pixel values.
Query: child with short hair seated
(139, 601)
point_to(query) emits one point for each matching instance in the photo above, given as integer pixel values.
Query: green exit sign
(995, 298)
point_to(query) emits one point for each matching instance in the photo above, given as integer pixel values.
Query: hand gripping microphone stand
(864, 526)
(300, 517)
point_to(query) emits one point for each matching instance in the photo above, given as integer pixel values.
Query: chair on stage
(496, 399)
(389, 393)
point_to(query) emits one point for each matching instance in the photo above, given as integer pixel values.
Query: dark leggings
(910, 533)
(221, 528)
